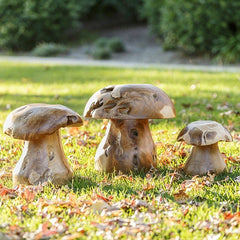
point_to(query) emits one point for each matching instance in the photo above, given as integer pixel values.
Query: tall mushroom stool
(128, 144)
(42, 158)
(205, 155)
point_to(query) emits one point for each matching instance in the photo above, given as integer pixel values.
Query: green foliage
(151, 10)
(101, 53)
(227, 49)
(101, 42)
(26, 23)
(197, 26)
(49, 49)
(116, 45)
(124, 11)
(104, 47)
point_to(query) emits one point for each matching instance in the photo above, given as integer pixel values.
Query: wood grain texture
(204, 159)
(43, 158)
(133, 101)
(127, 146)
(203, 133)
(32, 121)
(205, 155)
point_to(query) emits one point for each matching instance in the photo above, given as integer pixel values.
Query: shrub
(25, 23)
(124, 10)
(116, 45)
(101, 53)
(101, 42)
(198, 26)
(49, 49)
(108, 45)
(227, 50)
(151, 10)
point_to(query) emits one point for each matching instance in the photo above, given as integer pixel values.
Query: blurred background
(185, 31)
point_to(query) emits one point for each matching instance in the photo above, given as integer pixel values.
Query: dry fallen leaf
(73, 236)
(227, 113)
(232, 159)
(44, 231)
(206, 225)
(186, 105)
(98, 206)
(213, 236)
(4, 191)
(73, 131)
(181, 196)
(5, 173)
(232, 216)
(236, 137)
(4, 237)
(81, 142)
(28, 192)
(149, 186)
(28, 195)
(209, 107)
(140, 203)
(223, 106)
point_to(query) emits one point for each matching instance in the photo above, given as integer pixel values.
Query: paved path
(113, 63)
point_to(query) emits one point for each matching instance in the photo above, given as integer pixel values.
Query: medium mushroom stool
(128, 144)
(205, 155)
(43, 158)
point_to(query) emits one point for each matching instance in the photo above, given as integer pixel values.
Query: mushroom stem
(126, 146)
(204, 159)
(42, 160)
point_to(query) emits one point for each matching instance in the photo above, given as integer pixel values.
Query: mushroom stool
(128, 144)
(205, 155)
(43, 158)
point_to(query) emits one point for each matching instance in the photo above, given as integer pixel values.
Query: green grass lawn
(162, 204)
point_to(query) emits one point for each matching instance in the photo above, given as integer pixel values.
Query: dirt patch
(141, 46)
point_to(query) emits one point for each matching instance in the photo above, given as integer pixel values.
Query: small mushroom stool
(43, 158)
(205, 155)
(128, 144)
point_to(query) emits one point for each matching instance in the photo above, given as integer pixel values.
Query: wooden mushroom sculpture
(205, 155)
(128, 144)
(43, 158)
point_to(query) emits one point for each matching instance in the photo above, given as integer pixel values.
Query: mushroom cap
(32, 121)
(133, 101)
(203, 133)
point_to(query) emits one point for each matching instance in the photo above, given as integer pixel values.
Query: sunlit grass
(192, 94)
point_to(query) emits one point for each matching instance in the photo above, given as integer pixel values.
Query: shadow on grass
(76, 102)
(82, 183)
(217, 194)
